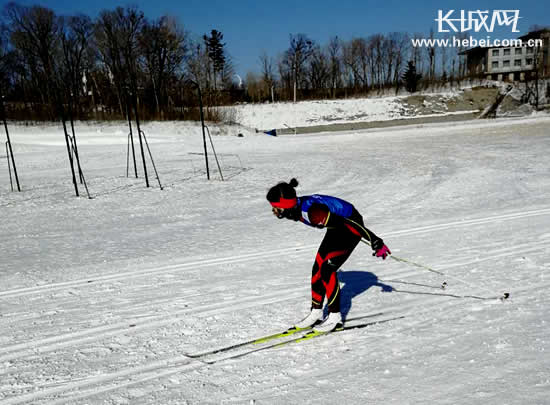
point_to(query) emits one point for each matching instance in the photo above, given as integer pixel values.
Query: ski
(264, 339)
(259, 340)
(307, 336)
(313, 334)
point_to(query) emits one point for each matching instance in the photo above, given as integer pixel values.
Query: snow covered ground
(267, 116)
(305, 113)
(103, 299)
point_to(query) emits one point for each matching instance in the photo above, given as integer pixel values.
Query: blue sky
(250, 27)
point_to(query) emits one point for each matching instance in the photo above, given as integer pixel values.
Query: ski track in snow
(174, 365)
(254, 256)
(207, 310)
(123, 336)
(157, 369)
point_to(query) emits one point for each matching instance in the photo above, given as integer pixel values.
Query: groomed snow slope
(102, 300)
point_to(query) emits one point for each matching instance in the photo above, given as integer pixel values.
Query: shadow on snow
(354, 284)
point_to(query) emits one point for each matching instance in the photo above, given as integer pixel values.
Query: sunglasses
(278, 212)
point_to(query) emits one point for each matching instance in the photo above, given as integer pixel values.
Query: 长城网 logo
(476, 20)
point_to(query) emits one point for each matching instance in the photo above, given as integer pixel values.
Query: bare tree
(110, 42)
(116, 35)
(430, 50)
(393, 49)
(162, 44)
(253, 87)
(416, 53)
(319, 72)
(300, 50)
(37, 32)
(376, 60)
(444, 62)
(195, 64)
(7, 57)
(76, 33)
(285, 69)
(389, 52)
(349, 60)
(356, 57)
(35, 35)
(364, 53)
(268, 76)
(335, 64)
(401, 42)
(227, 74)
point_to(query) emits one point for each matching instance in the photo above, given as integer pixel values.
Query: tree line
(53, 65)
(360, 66)
(104, 67)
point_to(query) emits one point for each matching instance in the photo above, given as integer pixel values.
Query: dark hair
(285, 190)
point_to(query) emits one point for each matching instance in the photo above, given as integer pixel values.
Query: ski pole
(399, 259)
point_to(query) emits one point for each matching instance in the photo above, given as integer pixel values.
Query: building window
(495, 52)
(507, 52)
(518, 51)
(528, 61)
(495, 65)
(517, 62)
(506, 63)
(530, 50)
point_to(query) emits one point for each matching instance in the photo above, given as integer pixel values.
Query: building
(544, 35)
(511, 63)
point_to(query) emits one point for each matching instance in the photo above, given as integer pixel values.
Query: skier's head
(282, 198)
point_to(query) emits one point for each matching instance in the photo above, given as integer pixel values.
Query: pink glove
(382, 252)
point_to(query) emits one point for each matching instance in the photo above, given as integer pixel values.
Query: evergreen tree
(411, 78)
(216, 51)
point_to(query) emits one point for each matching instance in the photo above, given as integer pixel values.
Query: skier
(345, 228)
